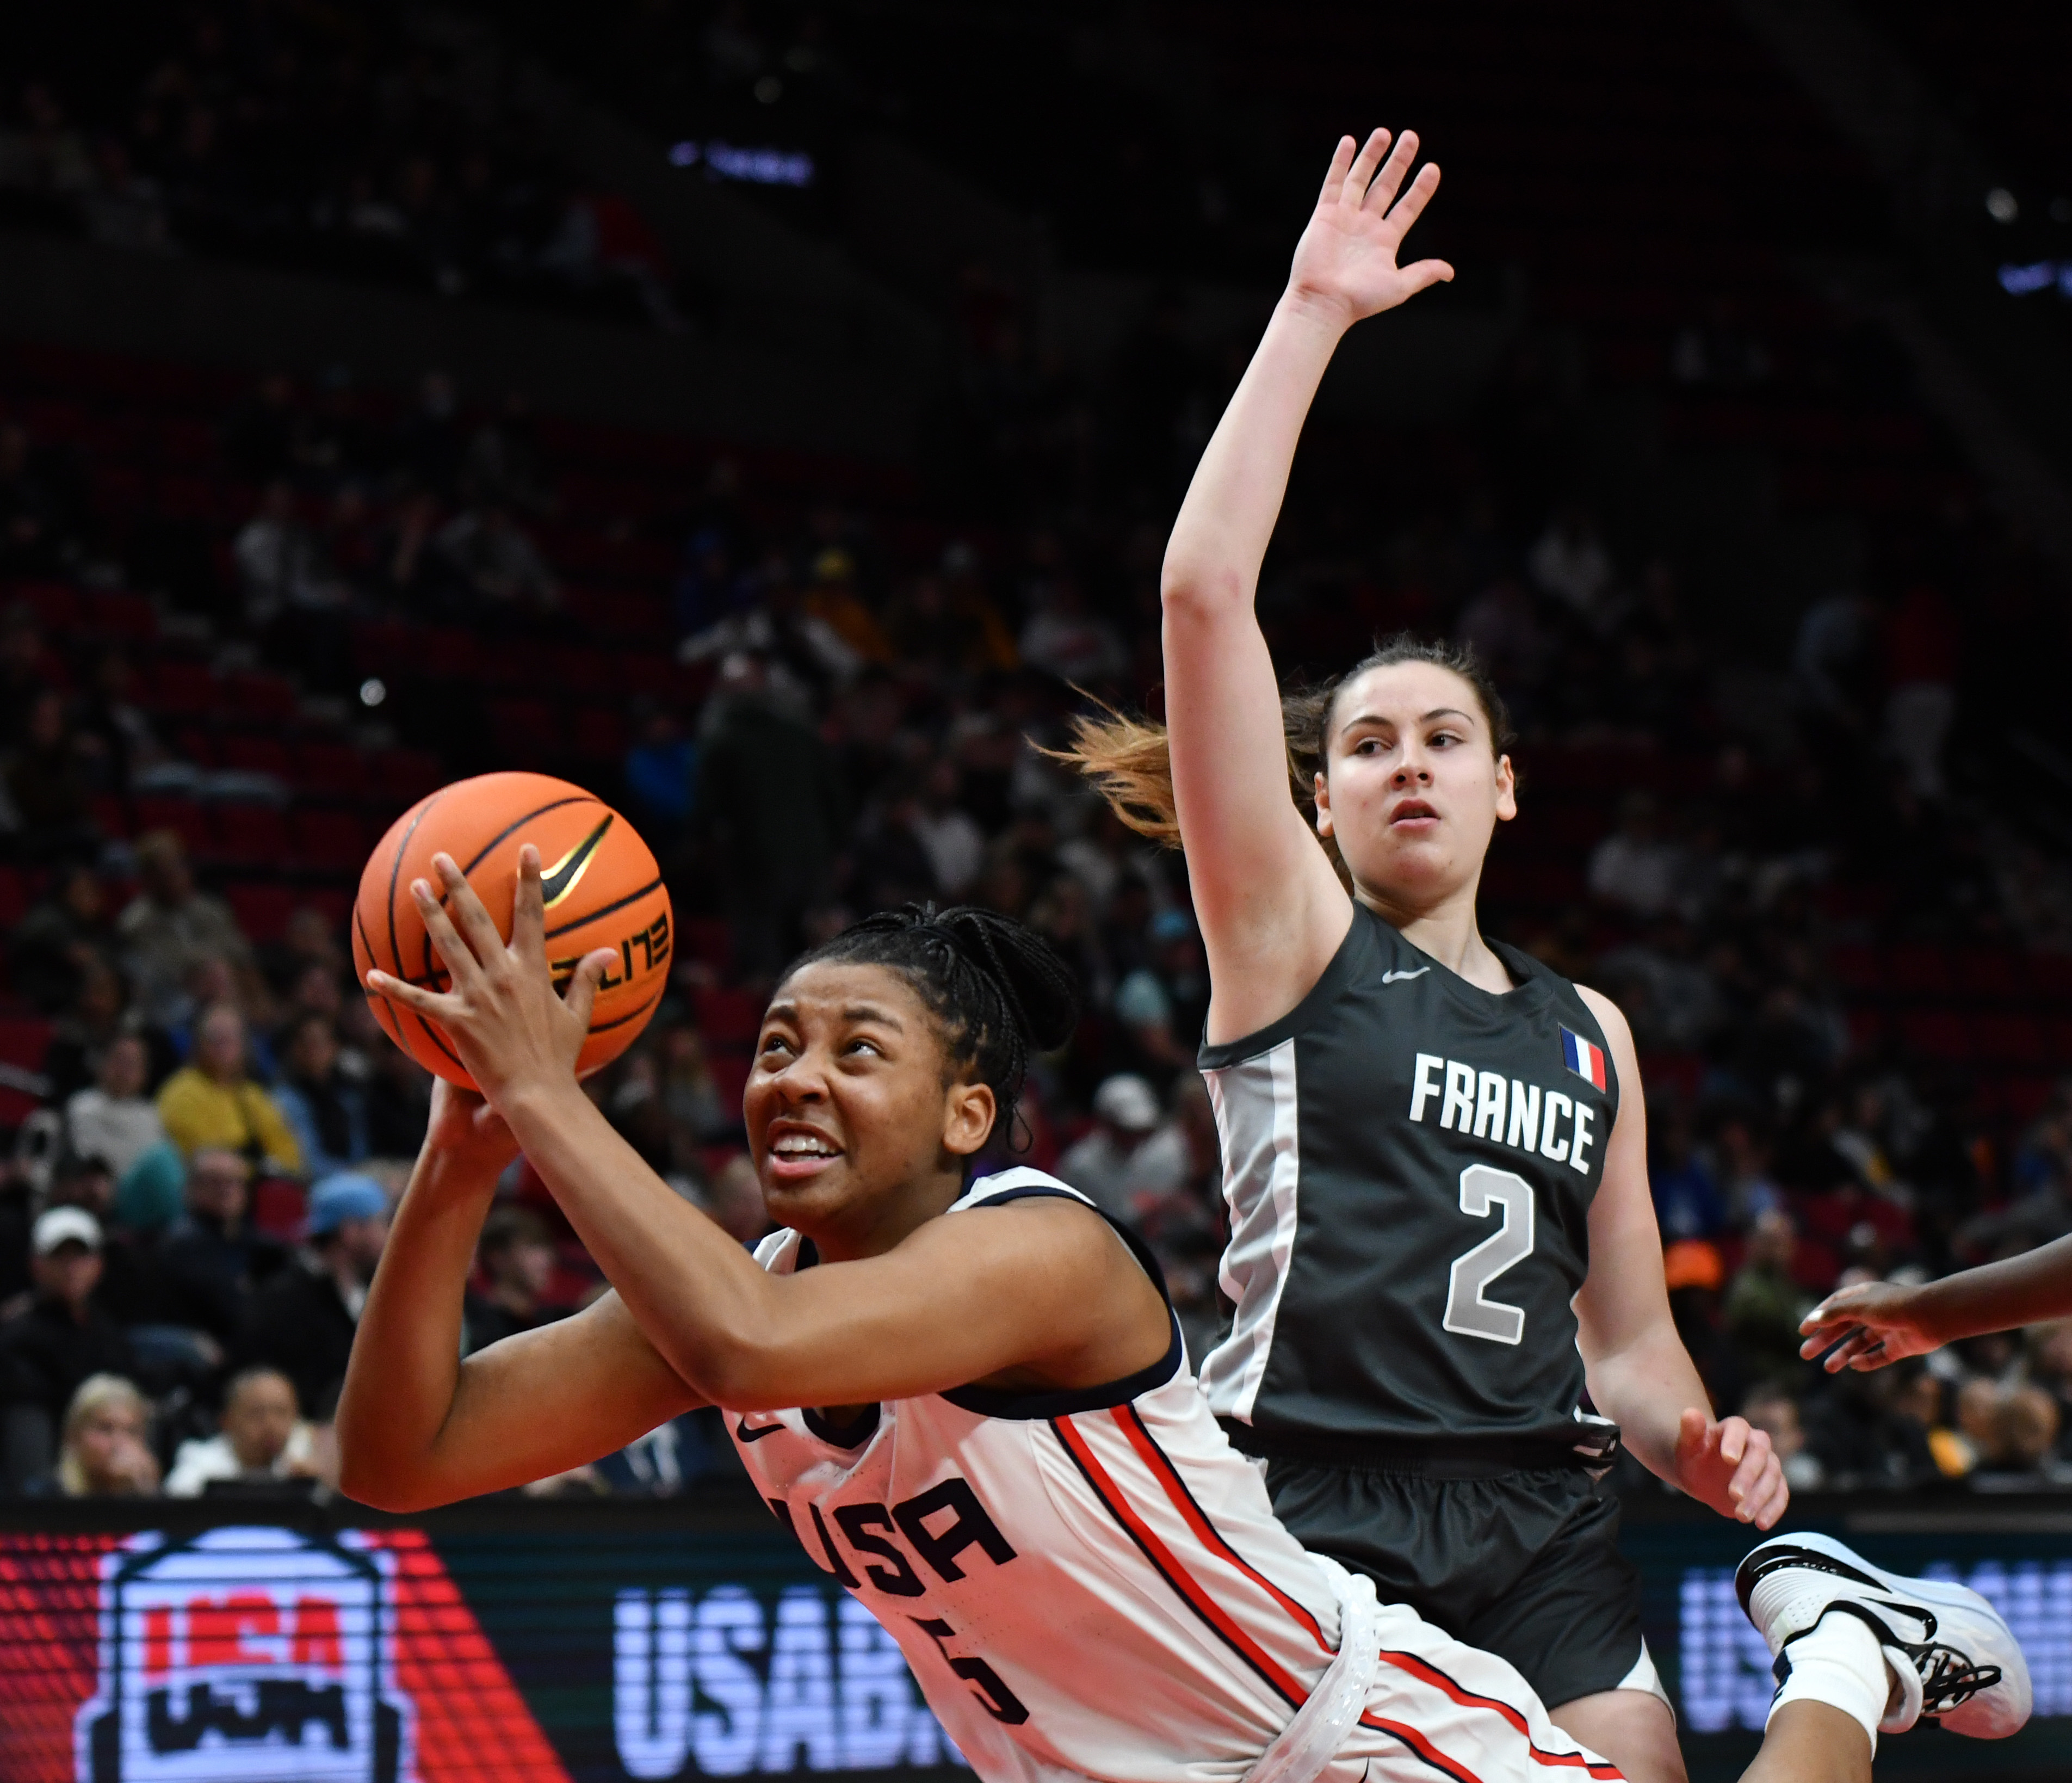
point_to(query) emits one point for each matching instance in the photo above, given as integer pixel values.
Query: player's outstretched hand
(1728, 1464)
(1345, 265)
(1869, 1324)
(512, 1029)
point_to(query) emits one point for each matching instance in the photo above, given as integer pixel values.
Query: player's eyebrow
(1443, 712)
(870, 1012)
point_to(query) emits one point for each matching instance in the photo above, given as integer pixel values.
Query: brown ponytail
(1129, 760)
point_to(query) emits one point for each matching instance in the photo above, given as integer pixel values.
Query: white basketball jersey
(1092, 1583)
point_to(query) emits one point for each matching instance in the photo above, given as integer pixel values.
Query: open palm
(1346, 262)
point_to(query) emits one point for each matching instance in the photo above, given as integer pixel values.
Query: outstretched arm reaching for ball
(1041, 1288)
(1877, 1323)
(417, 1425)
(1272, 910)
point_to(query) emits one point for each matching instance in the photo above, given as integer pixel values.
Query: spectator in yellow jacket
(211, 1101)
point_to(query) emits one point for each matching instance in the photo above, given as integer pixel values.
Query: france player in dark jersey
(1435, 1149)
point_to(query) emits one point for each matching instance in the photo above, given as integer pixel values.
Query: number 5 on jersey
(1470, 1312)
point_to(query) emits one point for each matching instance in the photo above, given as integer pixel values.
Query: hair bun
(1038, 984)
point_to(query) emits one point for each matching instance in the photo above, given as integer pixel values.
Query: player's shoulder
(1610, 1018)
(1033, 1207)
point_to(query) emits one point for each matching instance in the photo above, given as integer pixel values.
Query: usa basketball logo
(257, 1654)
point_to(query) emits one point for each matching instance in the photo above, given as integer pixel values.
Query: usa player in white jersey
(972, 1404)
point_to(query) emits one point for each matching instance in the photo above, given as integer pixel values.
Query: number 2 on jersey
(1484, 1190)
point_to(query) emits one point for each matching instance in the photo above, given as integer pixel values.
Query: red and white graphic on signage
(251, 1655)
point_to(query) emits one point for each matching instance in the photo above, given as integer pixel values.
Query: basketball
(599, 879)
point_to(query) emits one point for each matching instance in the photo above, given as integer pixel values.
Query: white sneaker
(1952, 1657)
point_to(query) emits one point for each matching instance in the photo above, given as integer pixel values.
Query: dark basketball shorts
(1525, 1565)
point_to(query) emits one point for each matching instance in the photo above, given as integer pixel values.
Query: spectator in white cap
(1126, 1113)
(303, 1320)
(49, 1349)
(262, 1437)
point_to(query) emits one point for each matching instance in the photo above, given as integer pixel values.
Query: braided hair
(996, 988)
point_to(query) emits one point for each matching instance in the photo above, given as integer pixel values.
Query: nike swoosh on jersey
(1396, 978)
(560, 879)
(754, 1433)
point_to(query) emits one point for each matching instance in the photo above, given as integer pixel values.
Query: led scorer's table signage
(666, 1643)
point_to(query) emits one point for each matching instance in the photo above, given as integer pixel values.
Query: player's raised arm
(1270, 909)
(418, 1426)
(860, 1117)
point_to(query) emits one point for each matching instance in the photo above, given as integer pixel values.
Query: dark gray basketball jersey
(1409, 1162)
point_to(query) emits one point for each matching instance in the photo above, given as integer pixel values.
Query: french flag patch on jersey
(1584, 1059)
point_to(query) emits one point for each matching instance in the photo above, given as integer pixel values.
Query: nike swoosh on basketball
(754, 1433)
(560, 879)
(1396, 978)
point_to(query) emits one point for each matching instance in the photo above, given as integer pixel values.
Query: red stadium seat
(182, 689)
(2009, 1039)
(524, 733)
(279, 1206)
(254, 753)
(729, 1076)
(262, 909)
(599, 733)
(1919, 971)
(252, 835)
(333, 903)
(405, 775)
(255, 696)
(24, 1041)
(1854, 968)
(706, 940)
(56, 604)
(329, 841)
(728, 1018)
(336, 769)
(116, 614)
(185, 817)
(111, 815)
(1936, 1033)
(1985, 974)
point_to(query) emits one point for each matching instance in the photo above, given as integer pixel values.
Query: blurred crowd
(1748, 826)
(189, 1221)
(365, 143)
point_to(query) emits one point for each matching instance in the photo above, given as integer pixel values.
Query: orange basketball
(601, 885)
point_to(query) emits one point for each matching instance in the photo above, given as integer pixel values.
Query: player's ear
(1323, 793)
(969, 1111)
(1506, 789)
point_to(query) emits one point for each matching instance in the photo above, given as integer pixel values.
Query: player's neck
(1449, 933)
(887, 1222)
